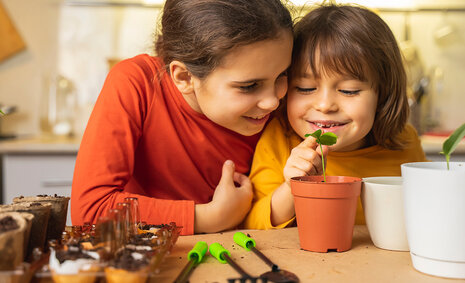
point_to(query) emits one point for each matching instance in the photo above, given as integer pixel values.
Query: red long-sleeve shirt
(143, 140)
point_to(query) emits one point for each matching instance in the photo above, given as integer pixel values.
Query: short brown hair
(352, 40)
(200, 33)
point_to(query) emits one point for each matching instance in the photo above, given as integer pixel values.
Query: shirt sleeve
(105, 160)
(266, 175)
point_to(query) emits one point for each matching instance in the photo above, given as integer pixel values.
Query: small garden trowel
(276, 274)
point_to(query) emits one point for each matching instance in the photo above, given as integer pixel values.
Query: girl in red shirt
(178, 131)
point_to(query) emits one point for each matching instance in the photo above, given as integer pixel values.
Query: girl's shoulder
(279, 135)
(143, 62)
(408, 133)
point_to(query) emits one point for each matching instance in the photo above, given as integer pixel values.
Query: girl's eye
(305, 90)
(350, 92)
(248, 88)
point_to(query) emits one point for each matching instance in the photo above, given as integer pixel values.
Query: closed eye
(350, 92)
(305, 90)
(248, 88)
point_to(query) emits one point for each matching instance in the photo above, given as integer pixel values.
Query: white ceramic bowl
(384, 212)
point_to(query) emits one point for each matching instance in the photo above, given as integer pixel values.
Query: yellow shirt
(274, 148)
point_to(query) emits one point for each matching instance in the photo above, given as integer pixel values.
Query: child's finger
(309, 142)
(227, 175)
(242, 180)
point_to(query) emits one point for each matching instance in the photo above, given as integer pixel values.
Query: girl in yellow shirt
(346, 77)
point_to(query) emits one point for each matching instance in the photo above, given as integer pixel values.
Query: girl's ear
(181, 77)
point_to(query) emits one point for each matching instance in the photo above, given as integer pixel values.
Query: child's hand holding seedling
(305, 159)
(308, 157)
(327, 138)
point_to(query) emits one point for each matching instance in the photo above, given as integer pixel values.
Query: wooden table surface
(363, 263)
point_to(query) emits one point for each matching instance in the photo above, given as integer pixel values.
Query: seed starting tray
(167, 236)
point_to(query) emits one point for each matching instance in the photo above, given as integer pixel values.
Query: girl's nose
(325, 102)
(270, 100)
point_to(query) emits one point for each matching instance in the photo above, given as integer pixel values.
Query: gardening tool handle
(224, 256)
(274, 267)
(195, 257)
(244, 241)
(218, 252)
(198, 251)
(249, 244)
(186, 271)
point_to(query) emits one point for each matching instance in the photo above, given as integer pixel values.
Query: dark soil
(126, 261)
(7, 224)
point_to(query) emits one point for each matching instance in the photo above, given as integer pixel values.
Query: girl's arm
(106, 158)
(271, 154)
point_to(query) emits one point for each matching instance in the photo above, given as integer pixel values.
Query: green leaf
(453, 141)
(325, 139)
(316, 134)
(1, 112)
(328, 138)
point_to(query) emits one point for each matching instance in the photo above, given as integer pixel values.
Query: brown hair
(200, 33)
(354, 41)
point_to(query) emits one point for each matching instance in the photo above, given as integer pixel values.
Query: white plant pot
(384, 212)
(434, 202)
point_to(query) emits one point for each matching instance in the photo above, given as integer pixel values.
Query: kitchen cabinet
(37, 166)
(432, 145)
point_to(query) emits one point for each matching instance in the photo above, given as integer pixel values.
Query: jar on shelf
(58, 105)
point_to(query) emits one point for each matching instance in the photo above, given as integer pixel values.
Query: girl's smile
(258, 120)
(333, 103)
(246, 87)
(327, 125)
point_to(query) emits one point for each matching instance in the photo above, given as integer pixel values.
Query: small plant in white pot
(434, 204)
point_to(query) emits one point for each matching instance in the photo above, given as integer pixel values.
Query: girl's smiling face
(334, 103)
(246, 87)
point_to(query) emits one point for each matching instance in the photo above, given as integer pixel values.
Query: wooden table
(363, 263)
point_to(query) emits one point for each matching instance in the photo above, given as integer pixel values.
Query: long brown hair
(353, 40)
(200, 33)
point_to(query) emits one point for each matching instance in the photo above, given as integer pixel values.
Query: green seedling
(452, 142)
(327, 138)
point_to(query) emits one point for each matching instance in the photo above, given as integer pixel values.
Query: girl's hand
(230, 204)
(305, 159)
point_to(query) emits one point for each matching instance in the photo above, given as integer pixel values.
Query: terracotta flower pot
(325, 211)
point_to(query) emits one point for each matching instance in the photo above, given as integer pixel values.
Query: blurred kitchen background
(55, 55)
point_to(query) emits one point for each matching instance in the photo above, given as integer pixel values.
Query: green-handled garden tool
(224, 256)
(276, 274)
(195, 257)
